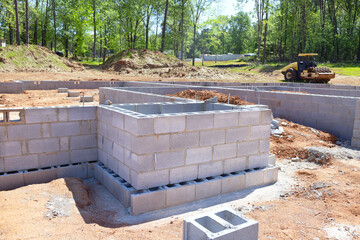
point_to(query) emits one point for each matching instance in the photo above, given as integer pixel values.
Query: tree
(164, 27)
(27, 21)
(94, 19)
(17, 22)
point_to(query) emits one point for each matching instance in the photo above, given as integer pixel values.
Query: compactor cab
(306, 69)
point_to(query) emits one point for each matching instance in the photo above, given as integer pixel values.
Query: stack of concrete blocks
(48, 143)
(175, 153)
(223, 224)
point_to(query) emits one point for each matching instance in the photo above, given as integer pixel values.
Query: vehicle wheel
(290, 75)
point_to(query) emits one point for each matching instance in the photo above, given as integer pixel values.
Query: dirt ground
(41, 98)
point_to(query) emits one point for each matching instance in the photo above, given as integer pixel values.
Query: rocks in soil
(318, 156)
(276, 130)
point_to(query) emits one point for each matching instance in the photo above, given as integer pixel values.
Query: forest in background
(277, 30)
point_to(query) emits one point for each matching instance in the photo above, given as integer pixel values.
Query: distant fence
(223, 57)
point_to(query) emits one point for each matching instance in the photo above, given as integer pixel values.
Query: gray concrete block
(212, 137)
(150, 144)
(182, 174)
(266, 116)
(180, 194)
(149, 179)
(139, 163)
(3, 133)
(2, 165)
(272, 159)
(40, 176)
(80, 142)
(207, 189)
(117, 119)
(83, 155)
(233, 183)
(224, 151)
(40, 115)
(73, 93)
(139, 126)
(254, 178)
(11, 181)
(169, 159)
(18, 163)
(226, 120)
(170, 124)
(22, 132)
(257, 161)
(64, 143)
(198, 155)
(264, 146)
(184, 140)
(10, 148)
(270, 175)
(147, 201)
(63, 90)
(199, 122)
(45, 145)
(82, 113)
(247, 118)
(86, 98)
(62, 129)
(123, 171)
(234, 164)
(75, 171)
(237, 134)
(210, 169)
(123, 191)
(260, 132)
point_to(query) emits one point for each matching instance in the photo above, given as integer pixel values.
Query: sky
(229, 7)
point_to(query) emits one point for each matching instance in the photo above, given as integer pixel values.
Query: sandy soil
(40, 98)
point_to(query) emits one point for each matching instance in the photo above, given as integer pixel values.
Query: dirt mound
(206, 94)
(33, 58)
(295, 140)
(155, 63)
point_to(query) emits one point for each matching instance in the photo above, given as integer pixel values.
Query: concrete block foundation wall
(47, 137)
(149, 150)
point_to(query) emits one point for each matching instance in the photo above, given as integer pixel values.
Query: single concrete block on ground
(148, 200)
(86, 98)
(73, 93)
(63, 90)
(223, 224)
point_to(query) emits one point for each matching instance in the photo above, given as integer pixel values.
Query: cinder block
(83, 155)
(63, 90)
(266, 116)
(198, 155)
(272, 159)
(125, 139)
(40, 176)
(270, 175)
(117, 119)
(224, 151)
(180, 194)
(86, 127)
(109, 181)
(64, 144)
(123, 171)
(199, 122)
(207, 189)
(223, 224)
(118, 152)
(254, 178)
(234, 164)
(260, 132)
(247, 118)
(139, 126)
(80, 142)
(226, 120)
(22, 132)
(237, 134)
(233, 183)
(54, 159)
(182, 174)
(3, 133)
(264, 146)
(45, 145)
(210, 169)
(169, 159)
(257, 161)
(63, 114)
(212, 137)
(86, 98)
(99, 173)
(184, 140)
(40, 115)
(139, 163)
(11, 181)
(62, 129)
(150, 144)
(169, 124)
(111, 163)
(149, 179)
(2, 165)
(148, 201)
(74, 171)
(10, 148)
(123, 191)
(73, 93)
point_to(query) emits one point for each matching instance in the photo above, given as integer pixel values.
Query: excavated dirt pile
(33, 58)
(206, 94)
(155, 63)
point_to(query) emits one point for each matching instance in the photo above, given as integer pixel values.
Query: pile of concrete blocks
(223, 224)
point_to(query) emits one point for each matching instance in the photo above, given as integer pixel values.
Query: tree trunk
(164, 27)
(286, 27)
(17, 23)
(27, 21)
(54, 15)
(147, 31)
(193, 60)
(182, 28)
(66, 27)
(100, 55)
(358, 53)
(36, 24)
(265, 35)
(105, 43)
(11, 35)
(43, 33)
(94, 17)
